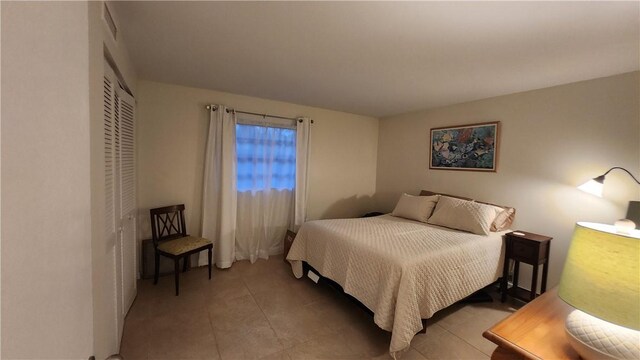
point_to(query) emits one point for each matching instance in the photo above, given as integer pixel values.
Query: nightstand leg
(505, 281)
(534, 282)
(516, 271)
(545, 270)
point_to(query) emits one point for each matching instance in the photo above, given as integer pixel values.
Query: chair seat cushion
(182, 245)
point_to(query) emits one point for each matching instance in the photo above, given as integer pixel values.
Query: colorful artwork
(467, 147)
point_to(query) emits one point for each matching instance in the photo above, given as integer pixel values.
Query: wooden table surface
(536, 331)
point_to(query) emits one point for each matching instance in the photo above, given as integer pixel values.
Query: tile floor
(260, 311)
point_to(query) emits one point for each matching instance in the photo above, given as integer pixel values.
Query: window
(266, 158)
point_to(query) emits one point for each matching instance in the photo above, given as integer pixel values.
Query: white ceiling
(379, 58)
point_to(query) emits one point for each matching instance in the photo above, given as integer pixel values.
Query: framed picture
(466, 147)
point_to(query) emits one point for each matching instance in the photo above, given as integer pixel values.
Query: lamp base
(594, 338)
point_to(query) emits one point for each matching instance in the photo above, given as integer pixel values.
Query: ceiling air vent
(109, 20)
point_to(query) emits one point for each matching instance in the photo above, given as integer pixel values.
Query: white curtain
(263, 219)
(219, 199)
(266, 179)
(303, 136)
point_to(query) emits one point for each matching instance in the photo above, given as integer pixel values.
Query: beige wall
(46, 197)
(172, 130)
(552, 140)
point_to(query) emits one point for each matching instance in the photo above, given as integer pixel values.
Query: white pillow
(464, 215)
(504, 219)
(415, 207)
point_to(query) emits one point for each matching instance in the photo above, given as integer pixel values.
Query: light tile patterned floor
(260, 311)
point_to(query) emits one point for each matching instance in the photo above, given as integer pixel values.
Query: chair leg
(176, 263)
(209, 256)
(184, 265)
(157, 268)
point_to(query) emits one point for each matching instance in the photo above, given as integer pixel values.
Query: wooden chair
(170, 239)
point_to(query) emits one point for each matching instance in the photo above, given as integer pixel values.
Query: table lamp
(601, 279)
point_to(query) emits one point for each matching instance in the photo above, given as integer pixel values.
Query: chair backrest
(167, 223)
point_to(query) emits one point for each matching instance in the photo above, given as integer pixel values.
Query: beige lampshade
(601, 275)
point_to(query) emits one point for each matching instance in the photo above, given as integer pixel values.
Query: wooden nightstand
(288, 240)
(536, 331)
(529, 248)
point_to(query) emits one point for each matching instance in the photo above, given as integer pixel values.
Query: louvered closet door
(110, 283)
(120, 202)
(127, 186)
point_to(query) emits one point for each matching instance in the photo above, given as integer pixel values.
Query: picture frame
(472, 147)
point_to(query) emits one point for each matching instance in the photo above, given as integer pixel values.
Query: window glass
(266, 158)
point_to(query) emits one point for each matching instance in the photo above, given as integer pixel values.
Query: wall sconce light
(595, 185)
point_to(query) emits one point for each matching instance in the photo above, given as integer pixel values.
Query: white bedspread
(402, 270)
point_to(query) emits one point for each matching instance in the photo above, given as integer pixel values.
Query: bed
(402, 270)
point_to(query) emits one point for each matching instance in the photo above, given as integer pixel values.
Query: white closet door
(127, 186)
(120, 201)
(118, 215)
(109, 166)
(109, 273)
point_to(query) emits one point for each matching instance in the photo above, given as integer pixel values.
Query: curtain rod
(215, 107)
